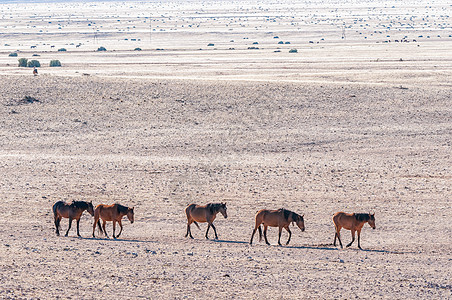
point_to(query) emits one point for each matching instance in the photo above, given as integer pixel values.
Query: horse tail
(196, 223)
(260, 233)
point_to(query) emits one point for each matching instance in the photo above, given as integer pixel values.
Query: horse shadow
(315, 247)
(229, 241)
(118, 240)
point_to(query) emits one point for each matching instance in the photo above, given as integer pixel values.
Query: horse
(276, 218)
(114, 213)
(353, 222)
(73, 211)
(204, 213)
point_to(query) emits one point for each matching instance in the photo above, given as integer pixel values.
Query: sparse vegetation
(23, 62)
(101, 48)
(33, 64)
(36, 55)
(13, 54)
(55, 63)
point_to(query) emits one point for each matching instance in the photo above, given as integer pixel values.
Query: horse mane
(362, 217)
(121, 208)
(214, 207)
(286, 213)
(80, 204)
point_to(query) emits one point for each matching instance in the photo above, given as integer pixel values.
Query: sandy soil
(342, 125)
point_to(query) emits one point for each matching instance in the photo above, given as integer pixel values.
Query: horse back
(345, 220)
(272, 218)
(198, 213)
(106, 212)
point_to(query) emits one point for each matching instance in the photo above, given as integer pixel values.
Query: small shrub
(137, 49)
(33, 64)
(293, 51)
(36, 54)
(280, 42)
(55, 63)
(14, 54)
(62, 49)
(101, 49)
(210, 45)
(23, 62)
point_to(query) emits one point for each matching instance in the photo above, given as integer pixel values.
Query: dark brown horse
(73, 211)
(114, 213)
(276, 218)
(353, 222)
(204, 213)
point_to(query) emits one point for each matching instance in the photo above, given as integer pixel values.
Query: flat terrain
(352, 124)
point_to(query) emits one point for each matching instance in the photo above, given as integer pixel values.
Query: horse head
(90, 208)
(299, 220)
(130, 214)
(222, 209)
(372, 220)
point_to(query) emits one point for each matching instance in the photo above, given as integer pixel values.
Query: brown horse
(353, 222)
(276, 218)
(73, 211)
(204, 213)
(114, 213)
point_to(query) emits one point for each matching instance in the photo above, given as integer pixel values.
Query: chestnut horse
(204, 213)
(114, 213)
(353, 222)
(276, 218)
(73, 211)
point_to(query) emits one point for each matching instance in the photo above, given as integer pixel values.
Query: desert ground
(213, 108)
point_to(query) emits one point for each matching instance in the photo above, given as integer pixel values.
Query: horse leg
(103, 226)
(188, 230)
(96, 219)
(353, 238)
(114, 227)
(70, 224)
(265, 235)
(78, 228)
(359, 234)
(120, 226)
(214, 230)
(290, 235)
(252, 235)
(57, 225)
(338, 235)
(207, 231)
(279, 236)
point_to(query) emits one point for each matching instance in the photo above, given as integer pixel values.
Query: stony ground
(160, 145)
(360, 124)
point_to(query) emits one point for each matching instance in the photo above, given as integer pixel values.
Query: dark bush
(137, 49)
(23, 62)
(33, 64)
(14, 54)
(293, 51)
(62, 49)
(101, 49)
(55, 63)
